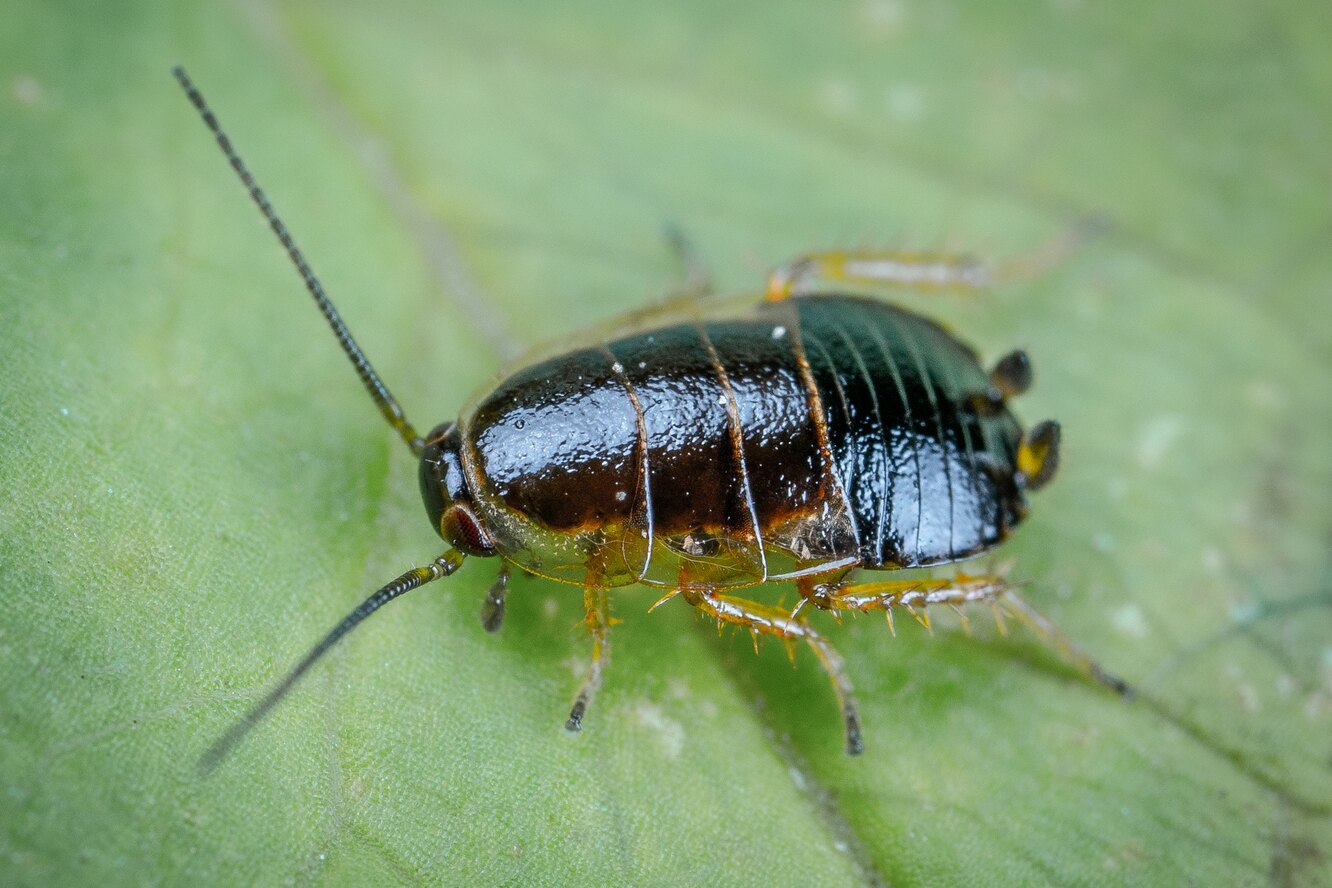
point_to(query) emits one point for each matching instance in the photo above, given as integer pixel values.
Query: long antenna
(384, 400)
(442, 566)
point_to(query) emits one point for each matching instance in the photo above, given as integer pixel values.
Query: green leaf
(195, 487)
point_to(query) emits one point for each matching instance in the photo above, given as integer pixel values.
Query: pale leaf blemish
(27, 90)
(1317, 706)
(1033, 84)
(669, 733)
(1285, 685)
(882, 18)
(1244, 690)
(1244, 612)
(1248, 697)
(1319, 703)
(1156, 438)
(1129, 620)
(679, 689)
(838, 96)
(577, 666)
(1264, 394)
(550, 607)
(905, 102)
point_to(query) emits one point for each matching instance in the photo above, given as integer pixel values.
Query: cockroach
(800, 437)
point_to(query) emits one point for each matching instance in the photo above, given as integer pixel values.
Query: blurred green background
(195, 487)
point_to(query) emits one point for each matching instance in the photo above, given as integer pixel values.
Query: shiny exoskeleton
(819, 434)
(716, 446)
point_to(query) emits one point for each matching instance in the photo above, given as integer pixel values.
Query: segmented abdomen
(819, 432)
(928, 477)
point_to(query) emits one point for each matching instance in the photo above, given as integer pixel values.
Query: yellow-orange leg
(597, 608)
(759, 618)
(918, 595)
(928, 272)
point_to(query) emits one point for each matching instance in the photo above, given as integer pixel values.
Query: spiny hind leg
(597, 616)
(917, 596)
(929, 272)
(762, 619)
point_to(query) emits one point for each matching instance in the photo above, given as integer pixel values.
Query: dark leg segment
(1072, 654)
(492, 611)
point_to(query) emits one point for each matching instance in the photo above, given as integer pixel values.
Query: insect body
(820, 434)
(798, 439)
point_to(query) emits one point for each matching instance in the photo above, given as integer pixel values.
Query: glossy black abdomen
(928, 477)
(830, 428)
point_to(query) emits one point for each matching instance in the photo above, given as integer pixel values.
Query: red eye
(461, 528)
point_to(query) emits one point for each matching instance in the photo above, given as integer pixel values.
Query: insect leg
(772, 621)
(492, 611)
(1072, 654)
(918, 595)
(928, 272)
(598, 619)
